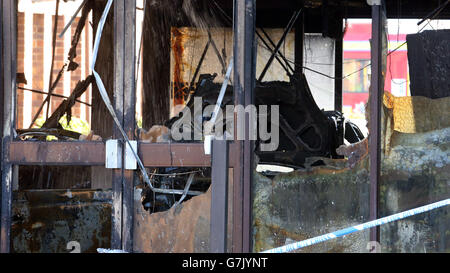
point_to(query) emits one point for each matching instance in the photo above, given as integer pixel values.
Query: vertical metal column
(338, 57)
(219, 197)
(8, 47)
(244, 81)
(124, 104)
(2, 87)
(129, 120)
(376, 93)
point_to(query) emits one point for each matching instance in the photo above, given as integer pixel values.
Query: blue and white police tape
(343, 232)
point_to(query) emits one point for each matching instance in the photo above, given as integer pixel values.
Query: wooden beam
(125, 107)
(117, 175)
(57, 153)
(117, 220)
(101, 122)
(93, 154)
(179, 155)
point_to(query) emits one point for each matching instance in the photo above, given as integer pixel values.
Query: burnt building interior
(129, 184)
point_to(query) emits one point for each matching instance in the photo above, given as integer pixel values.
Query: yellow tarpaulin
(418, 114)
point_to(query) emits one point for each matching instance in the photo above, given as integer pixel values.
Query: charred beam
(93, 153)
(57, 153)
(66, 106)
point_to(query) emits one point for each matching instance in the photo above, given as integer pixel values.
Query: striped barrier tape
(343, 232)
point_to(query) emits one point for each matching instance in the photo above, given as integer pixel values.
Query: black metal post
(244, 81)
(338, 58)
(219, 197)
(376, 93)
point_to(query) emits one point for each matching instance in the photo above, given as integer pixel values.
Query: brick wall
(20, 65)
(38, 61)
(76, 75)
(59, 61)
(39, 80)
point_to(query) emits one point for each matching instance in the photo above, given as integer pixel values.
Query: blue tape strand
(346, 231)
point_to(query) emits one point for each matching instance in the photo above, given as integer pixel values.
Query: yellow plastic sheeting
(418, 114)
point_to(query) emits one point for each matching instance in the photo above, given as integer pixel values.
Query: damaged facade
(188, 200)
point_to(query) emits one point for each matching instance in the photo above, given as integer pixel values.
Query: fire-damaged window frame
(15, 153)
(237, 155)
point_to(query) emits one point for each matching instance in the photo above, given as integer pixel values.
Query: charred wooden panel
(101, 119)
(46, 221)
(429, 58)
(182, 229)
(155, 65)
(60, 153)
(54, 177)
